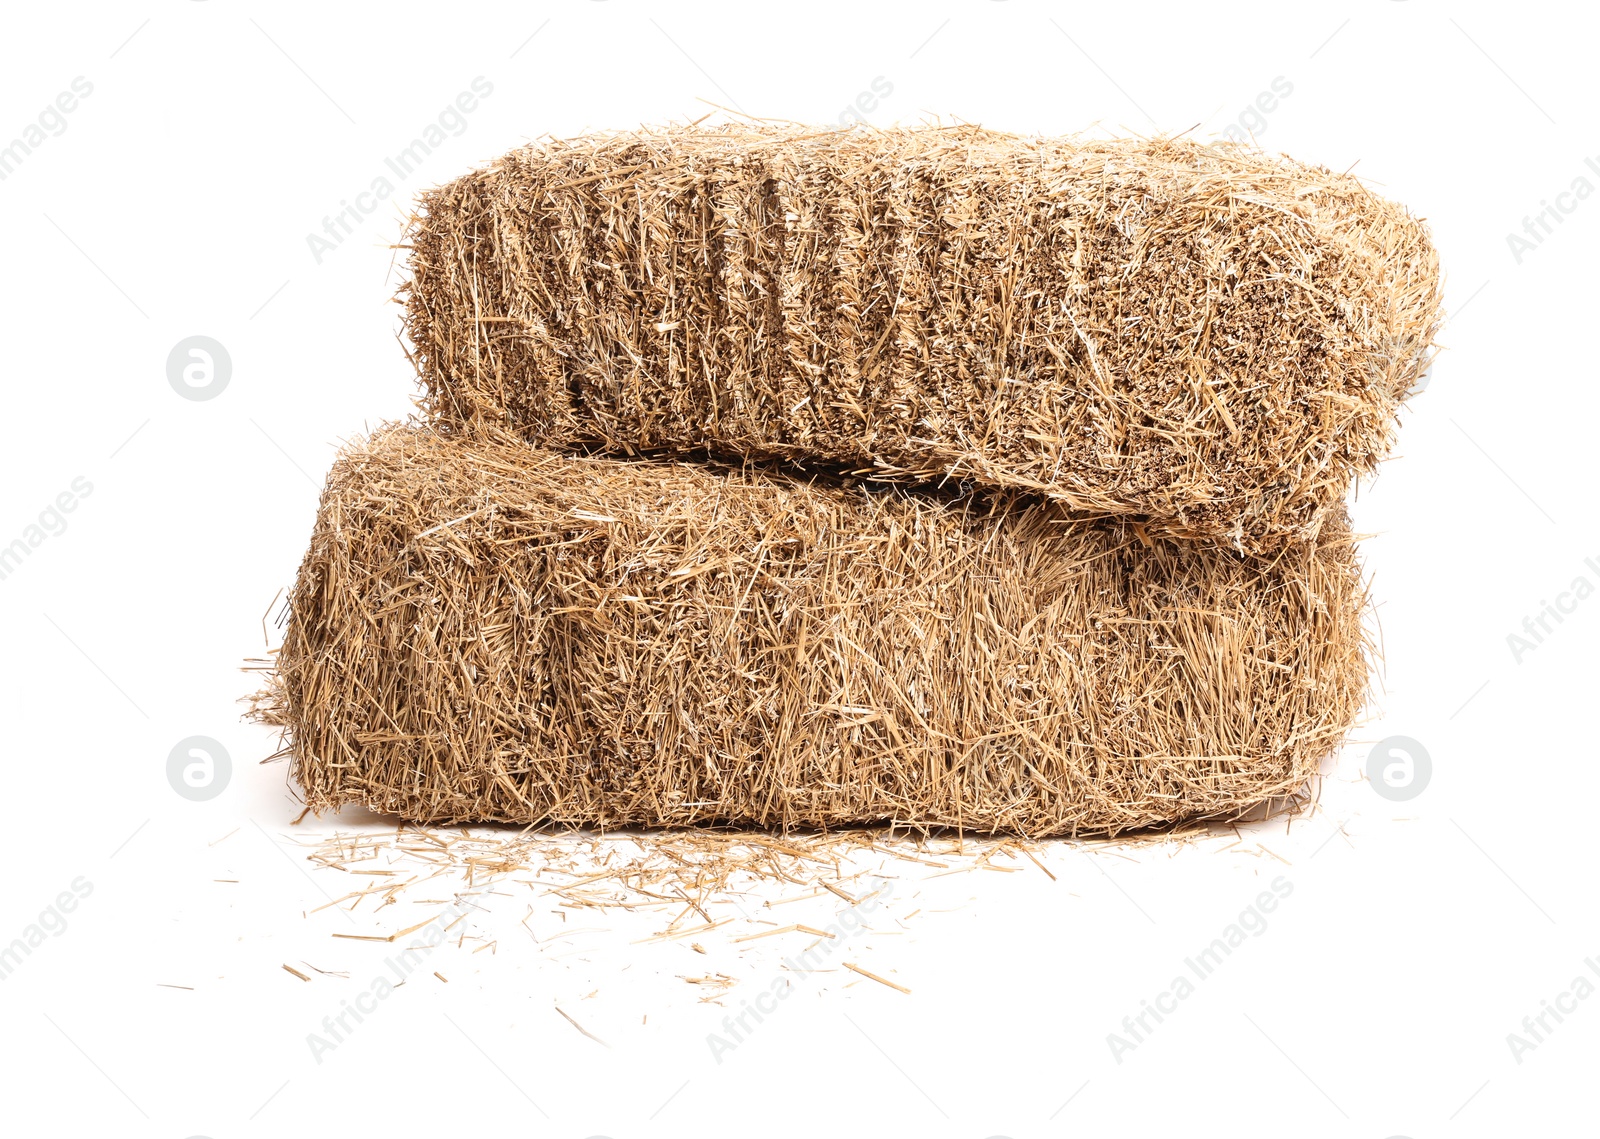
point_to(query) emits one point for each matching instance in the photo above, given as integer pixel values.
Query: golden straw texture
(484, 631)
(1203, 337)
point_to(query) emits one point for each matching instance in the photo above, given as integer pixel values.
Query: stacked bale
(935, 478)
(484, 631)
(1204, 337)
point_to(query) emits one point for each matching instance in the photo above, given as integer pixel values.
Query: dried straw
(1206, 337)
(484, 631)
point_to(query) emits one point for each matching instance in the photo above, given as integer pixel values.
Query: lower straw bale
(484, 631)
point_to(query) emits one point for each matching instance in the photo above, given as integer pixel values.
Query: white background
(177, 202)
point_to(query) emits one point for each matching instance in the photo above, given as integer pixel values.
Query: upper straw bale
(1204, 337)
(482, 631)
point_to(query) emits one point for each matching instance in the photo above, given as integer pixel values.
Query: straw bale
(485, 631)
(1201, 336)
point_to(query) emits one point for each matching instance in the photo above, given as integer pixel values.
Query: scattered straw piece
(874, 977)
(580, 1027)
